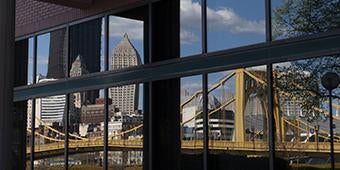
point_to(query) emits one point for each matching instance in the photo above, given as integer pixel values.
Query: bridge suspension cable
(216, 85)
(196, 94)
(46, 137)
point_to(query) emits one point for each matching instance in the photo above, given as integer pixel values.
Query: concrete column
(7, 29)
(162, 141)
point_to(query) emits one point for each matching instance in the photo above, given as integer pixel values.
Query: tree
(300, 80)
(302, 17)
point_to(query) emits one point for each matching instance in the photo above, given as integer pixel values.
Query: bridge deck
(260, 148)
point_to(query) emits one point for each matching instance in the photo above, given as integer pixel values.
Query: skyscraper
(124, 55)
(78, 68)
(85, 40)
(57, 66)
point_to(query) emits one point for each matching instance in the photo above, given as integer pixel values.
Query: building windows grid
(204, 52)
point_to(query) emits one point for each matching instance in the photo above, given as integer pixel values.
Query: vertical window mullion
(33, 103)
(205, 122)
(268, 20)
(271, 141)
(67, 110)
(147, 124)
(32, 134)
(205, 88)
(106, 92)
(271, 120)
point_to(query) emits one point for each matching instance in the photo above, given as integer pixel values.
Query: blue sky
(117, 30)
(231, 23)
(43, 47)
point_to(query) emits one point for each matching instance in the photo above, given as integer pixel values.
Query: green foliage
(302, 17)
(301, 79)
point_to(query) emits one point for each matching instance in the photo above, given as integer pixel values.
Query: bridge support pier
(7, 29)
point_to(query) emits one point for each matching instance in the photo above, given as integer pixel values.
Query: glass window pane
(126, 43)
(51, 56)
(29, 132)
(190, 29)
(126, 127)
(191, 123)
(49, 131)
(24, 62)
(20, 138)
(238, 112)
(86, 142)
(87, 47)
(30, 62)
(235, 23)
(294, 18)
(302, 112)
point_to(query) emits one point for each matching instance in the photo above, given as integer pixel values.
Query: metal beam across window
(264, 53)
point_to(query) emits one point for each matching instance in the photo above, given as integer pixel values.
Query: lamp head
(330, 80)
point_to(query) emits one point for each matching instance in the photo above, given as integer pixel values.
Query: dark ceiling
(71, 3)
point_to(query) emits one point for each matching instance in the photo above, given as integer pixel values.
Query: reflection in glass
(190, 27)
(237, 105)
(126, 127)
(301, 112)
(86, 129)
(126, 47)
(20, 136)
(86, 43)
(30, 62)
(24, 62)
(125, 55)
(29, 132)
(231, 25)
(49, 131)
(191, 122)
(302, 17)
(52, 55)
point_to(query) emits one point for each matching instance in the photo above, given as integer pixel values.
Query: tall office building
(57, 65)
(85, 40)
(78, 68)
(50, 109)
(124, 55)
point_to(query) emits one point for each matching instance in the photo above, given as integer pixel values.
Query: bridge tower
(240, 105)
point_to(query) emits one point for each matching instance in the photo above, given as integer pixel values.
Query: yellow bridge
(238, 145)
(249, 148)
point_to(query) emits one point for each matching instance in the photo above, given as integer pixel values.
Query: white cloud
(188, 37)
(42, 60)
(222, 19)
(191, 85)
(119, 26)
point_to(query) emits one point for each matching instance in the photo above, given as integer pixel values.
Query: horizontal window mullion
(228, 59)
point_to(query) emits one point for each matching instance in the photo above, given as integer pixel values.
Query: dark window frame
(265, 53)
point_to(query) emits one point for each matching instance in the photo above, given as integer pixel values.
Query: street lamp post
(317, 127)
(330, 81)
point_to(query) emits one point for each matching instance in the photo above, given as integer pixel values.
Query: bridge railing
(222, 145)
